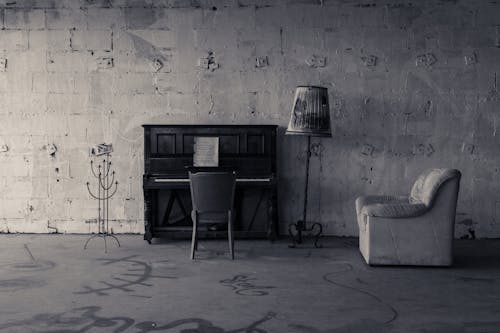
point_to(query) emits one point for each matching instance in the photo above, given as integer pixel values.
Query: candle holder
(106, 188)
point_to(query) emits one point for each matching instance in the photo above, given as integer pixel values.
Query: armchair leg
(230, 234)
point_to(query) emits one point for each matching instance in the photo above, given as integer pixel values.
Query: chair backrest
(428, 183)
(212, 191)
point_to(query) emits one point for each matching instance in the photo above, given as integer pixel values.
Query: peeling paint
(316, 61)
(427, 60)
(261, 61)
(105, 63)
(369, 60)
(468, 148)
(157, 64)
(367, 149)
(470, 59)
(52, 149)
(3, 64)
(209, 62)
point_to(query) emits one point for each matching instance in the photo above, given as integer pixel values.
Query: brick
(163, 40)
(134, 83)
(59, 19)
(26, 61)
(91, 40)
(488, 14)
(15, 82)
(215, 40)
(136, 40)
(82, 209)
(13, 208)
(42, 4)
(131, 62)
(27, 103)
(39, 82)
(101, 89)
(60, 83)
(230, 18)
(33, 19)
(53, 40)
(17, 144)
(105, 18)
(67, 62)
(13, 40)
(66, 104)
(186, 18)
(4, 84)
(15, 166)
(146, 18)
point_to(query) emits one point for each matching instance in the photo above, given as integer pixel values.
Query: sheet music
(206, 151)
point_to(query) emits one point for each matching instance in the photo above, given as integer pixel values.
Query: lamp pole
(310, 116)
(301, 225)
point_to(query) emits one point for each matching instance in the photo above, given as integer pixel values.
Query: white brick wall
(80, 73)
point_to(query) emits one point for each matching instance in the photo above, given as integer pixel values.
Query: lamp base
(315, 230)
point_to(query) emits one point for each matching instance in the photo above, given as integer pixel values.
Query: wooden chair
(212, 196)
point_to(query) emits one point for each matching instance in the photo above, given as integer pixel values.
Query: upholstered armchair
(413, 230)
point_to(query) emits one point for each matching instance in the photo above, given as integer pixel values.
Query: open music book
(206, 151)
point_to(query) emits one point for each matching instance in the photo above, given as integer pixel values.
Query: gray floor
(50, 284)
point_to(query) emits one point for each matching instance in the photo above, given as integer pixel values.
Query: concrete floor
(48, 283)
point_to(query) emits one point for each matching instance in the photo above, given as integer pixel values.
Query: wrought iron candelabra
(106, 188)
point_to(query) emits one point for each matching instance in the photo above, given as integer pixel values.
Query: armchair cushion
(394, 210)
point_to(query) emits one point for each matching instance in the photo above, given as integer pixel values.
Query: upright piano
(249, 149)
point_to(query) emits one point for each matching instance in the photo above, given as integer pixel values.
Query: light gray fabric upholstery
(394, 210)
(377, 199)
(427, 184)
(414, 230)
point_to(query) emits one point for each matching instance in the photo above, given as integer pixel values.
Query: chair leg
(230, 234)
(194, 238)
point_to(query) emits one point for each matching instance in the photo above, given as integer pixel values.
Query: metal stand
(103, 195)
(316, 229)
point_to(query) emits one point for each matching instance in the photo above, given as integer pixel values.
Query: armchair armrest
(374, 199)
(395, 210)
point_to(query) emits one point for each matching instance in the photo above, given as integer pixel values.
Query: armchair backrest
(428, 183)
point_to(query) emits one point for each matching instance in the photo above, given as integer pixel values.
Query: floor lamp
(310, 117)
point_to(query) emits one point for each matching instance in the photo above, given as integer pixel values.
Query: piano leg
(148, 210)
(272, 215)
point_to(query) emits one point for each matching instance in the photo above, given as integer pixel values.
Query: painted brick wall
(412, 85)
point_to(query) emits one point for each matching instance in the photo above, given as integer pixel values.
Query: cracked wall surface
(412, 85)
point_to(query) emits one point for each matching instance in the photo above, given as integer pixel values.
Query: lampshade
(310, 113)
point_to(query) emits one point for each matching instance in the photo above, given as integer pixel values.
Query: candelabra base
(102, 235)
(300, 227)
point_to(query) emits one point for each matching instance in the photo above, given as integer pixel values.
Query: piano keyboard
(186, 180)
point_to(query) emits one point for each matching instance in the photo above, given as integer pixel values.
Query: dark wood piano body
(168, 150)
